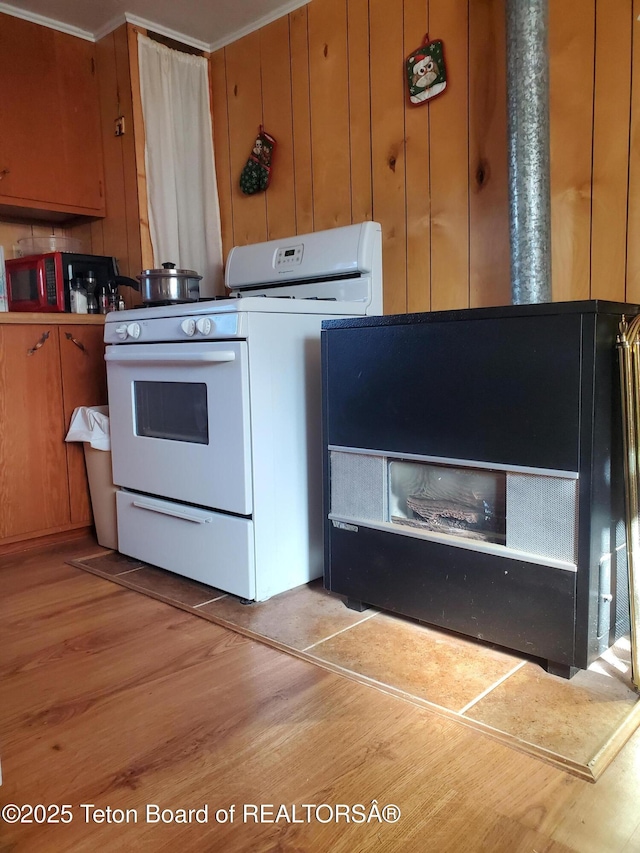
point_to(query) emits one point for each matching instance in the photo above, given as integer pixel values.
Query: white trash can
(90, 424)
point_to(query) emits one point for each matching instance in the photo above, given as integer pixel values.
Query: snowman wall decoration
(426, 73)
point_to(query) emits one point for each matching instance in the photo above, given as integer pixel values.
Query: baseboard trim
(16, 546)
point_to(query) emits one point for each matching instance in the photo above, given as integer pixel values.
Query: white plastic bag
(91, 424)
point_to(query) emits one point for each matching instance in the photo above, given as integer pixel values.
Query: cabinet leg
(563, 670)
(355, 604)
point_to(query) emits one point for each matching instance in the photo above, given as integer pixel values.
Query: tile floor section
(579, 724)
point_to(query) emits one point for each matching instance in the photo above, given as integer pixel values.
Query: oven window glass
(467, 502)
(175, 411)
(24, 285)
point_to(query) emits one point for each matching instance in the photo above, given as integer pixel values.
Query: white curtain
(184, 213)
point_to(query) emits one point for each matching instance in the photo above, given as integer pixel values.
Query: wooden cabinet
(84, 383)
(46, 370)
(51, 164)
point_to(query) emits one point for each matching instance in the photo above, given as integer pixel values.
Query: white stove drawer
(197, 543)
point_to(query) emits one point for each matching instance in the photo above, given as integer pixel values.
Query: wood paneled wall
(124, 231)
(328, 82)
(119, 232)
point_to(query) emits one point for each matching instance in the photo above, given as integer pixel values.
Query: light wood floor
(110, 698)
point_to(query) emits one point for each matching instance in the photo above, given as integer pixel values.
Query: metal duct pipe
(528, 147)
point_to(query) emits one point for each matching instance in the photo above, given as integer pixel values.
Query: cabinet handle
(75, 341)
(40, 343)
(4, 172)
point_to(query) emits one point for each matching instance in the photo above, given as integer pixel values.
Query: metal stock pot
(169, 285)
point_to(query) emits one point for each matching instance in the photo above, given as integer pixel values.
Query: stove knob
(133, 329)
(188, 326)
(203, 325)
(121, 331)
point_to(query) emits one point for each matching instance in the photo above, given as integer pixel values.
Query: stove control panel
(289, 256)
(198, 327)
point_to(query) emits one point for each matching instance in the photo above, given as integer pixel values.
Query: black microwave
(42, 282)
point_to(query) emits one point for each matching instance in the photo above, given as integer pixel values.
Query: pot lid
(169, 271)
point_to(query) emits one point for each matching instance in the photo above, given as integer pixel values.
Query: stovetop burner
(164, 302)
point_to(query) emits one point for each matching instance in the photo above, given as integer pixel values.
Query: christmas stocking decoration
(256, 174)
(426, 74)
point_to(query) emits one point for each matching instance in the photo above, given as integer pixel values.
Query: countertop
(45, 318)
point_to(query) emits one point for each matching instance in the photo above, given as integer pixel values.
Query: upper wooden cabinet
(51, 164)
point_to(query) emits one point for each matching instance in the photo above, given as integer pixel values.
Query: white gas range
(215, 413)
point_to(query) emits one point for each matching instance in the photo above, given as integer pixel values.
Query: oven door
(179, 420)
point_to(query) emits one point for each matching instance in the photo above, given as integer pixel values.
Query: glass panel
(24, 285)
(176, 411)
(460, 501)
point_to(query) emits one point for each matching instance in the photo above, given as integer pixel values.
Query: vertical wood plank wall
(633, 195)
(122, 231)
(328, 82)
(119, 233)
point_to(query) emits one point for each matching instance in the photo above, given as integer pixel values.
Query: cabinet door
(33, 467)
(84, 383)
(79, 124)
(50, 148)
(28, 114)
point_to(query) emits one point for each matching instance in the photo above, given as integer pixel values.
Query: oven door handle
(175, 513)
(129, 355)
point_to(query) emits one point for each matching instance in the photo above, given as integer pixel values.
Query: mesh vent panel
(358, 486)
(542, 516)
